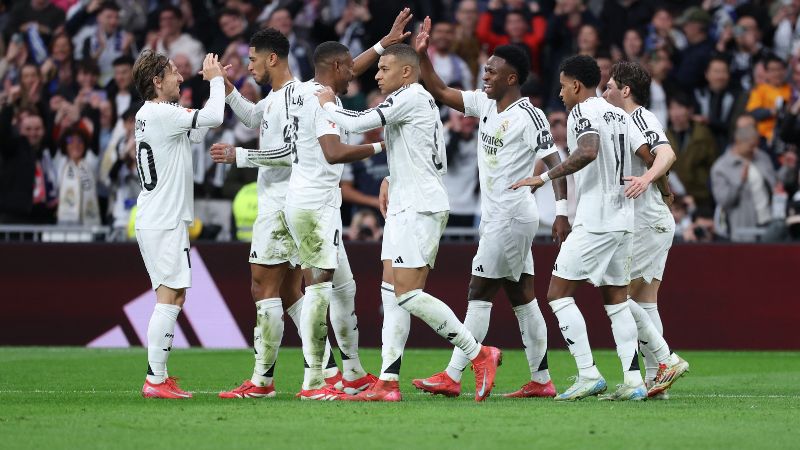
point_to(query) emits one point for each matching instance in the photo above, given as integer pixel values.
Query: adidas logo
(253, 255)
(479, 268)
(399, 260)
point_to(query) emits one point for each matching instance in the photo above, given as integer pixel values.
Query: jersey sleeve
(581, 123)
(652, 130)
(395, 109)
(537, 132)
(474, 102)
(248, 113)
(280, 156)
(635, 136)
(180, 120)
(323, 122)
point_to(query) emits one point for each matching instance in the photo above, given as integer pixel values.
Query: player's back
(649, 207)
(415, 149)
(164, 162)
(314, 182)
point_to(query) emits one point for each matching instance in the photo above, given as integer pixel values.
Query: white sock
(650, 363)
(267, 336)
(314, 330)
(331, 368)
(160, 333)
(534, 338)
(653, 344)
(441, 318)
(623, 326)
(394, 334)
(345, 327)
(477, 322)
(573, 328)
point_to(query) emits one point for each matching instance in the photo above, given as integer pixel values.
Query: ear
(512, 78)
(408, 71)
(273, 59)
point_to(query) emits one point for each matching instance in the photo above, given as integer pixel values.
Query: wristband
(378, 48)
(561, 208)
(377, 147)
(545, 177)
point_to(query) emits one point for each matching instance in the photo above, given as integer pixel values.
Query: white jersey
(509, 143)
(164, 158)
(314, 181)
(415, 141)
(272, 117)
(602, 205)
(650, 207)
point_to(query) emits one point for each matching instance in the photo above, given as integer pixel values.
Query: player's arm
(279, 156)
(438, 89)
(198, 135)
(396, 35)
(658, 167)
(587, 150)
(213, 113)
(561, 226)
(353, 121)
(337, 152)
(248, 113)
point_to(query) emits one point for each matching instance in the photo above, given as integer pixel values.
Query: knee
(256, 290)
(180, 298)
(345, 290)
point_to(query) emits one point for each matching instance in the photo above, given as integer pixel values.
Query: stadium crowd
(725, 78)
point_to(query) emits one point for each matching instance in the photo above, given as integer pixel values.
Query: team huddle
(619, 240)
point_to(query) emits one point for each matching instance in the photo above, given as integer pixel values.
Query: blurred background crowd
(725, 84)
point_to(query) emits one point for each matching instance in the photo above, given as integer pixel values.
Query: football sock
(345, 327)
(651, 364)
(623, 327)
(534, 339)
(477, 322)
(294, 313)
(653, 344)
(160, 333)
(314, 330)
(573, 328)
(396, 324)
(441, 318)
(267, 337)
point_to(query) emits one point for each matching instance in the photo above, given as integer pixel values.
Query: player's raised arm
(246, 157)
(396, 35)
(248, 113)
(213, 113)
(433, 84)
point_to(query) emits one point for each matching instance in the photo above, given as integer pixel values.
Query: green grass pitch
(75, 398)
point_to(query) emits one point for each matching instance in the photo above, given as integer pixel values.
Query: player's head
(398, 66)
(579, 76)
(629, 81)
(333, 60)
(268, 49)
(507, 68)
(156, 76)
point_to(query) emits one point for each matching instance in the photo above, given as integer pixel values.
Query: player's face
(613, 94)
(344, 74)
(495, 78)
(390, 74)
(171, 83)
(259, 63)
(569, 91)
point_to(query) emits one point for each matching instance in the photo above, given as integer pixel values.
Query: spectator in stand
(89, 94)
(633, 45)
(719, 102)
(787, 28)
(767, 100)
(533, 89)
(790, 126)
(466, 43)
(171, 40)
(39, 15)
(461, 179)
(77, 186)
(234, 28)
(618, 16)
(743, 180)
(662, 35)
(120, 91)
(104, 41)
(365, 226)
(605, 63)
(695, 148)
(688, 72)
(119, 175)
(450, 67)
(351, 27)
(562, 31)
(194, 91)
(29, 93)
(588, 40)
(659, 65)
(519, 28)
(300, 51)
(58, 70)
(11, 64)
(743, 44)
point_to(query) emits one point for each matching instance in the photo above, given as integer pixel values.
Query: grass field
(79, 398)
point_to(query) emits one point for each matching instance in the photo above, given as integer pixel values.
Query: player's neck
(586, 94)
(281, 77)
(324, 78)
(511, 96)
(629, 106)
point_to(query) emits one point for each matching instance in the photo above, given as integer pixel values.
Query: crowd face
(29, 77)
(662, 22)
(515, 26)
(108, 20)
(169, 23)
(717, 76)
(776, 73)
(558, 127)
(32, 129)
(281, 20)
(679, 116)
(232, 26)
(76, 148)
(184, 66)
(747, 34)
(442, 37)
(467, 14)
(632, 44)
(123, 76)
(588, 40)
(660, 65)
(61, 48)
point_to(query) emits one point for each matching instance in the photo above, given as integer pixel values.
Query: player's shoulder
(409, 93)
(528, 113)
(645, 119)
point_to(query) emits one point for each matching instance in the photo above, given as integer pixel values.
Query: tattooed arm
(561, 226)
(588, 148)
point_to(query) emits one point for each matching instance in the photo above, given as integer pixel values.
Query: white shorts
(272, 243)
(604, 259)
(166, 256)
(504, 250)
(317, 234)
(650, 249)
(411, 239)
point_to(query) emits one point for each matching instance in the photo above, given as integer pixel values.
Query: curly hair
(582, 68)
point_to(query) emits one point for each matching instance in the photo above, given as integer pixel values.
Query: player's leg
(396, 325)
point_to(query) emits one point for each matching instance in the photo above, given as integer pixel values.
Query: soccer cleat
(250, 390)
(359, 385)
(168, 389)
(582, 388)
(439, 383)
(485, 367)
(663, 395)
(626, 392)
(325, 393)
(335, 381)
(534, 389)
(380, 391)
(668, 374)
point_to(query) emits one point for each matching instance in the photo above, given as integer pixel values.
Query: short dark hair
(634, 76)
(771, 57)
(228, 12)
(718, 57)
(270, 40)
(149, 65)
(403, 52)
(88, 65)
(682, 99)
(124, 60)
(108, 5)
(174, 9)
(73, 132)
(517, 59)
(582, 68)
(327, 51)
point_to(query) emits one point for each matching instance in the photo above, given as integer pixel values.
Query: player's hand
(396, 34)
(534, 182)
(211, 67)
(383, 197)
(325, 95)
(424, 36)
(561, 229)
(637, 186)
(228, 85)
(223, 153)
